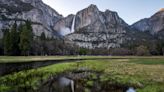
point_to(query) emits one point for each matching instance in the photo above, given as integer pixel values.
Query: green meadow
(145, 74)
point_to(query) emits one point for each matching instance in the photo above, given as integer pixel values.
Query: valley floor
(145, 74)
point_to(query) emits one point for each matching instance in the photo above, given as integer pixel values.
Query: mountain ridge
(88, 28)
(153, 24)
(33, 10)
(97, 29)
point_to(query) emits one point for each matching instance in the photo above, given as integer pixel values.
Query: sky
(129, 10)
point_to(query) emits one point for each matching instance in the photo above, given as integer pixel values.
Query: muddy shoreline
(8, 68)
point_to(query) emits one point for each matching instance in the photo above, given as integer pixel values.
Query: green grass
(144, 73)
(151, 61)
(11, 59)
(31, 78)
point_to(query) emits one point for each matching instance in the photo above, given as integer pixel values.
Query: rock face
(42, 16)
(89, 28)
(96, 29)
(154, 24)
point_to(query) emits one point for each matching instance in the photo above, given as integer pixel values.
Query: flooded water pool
(131, 89)
(78, 81)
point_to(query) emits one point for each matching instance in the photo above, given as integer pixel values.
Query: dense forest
(20, 40)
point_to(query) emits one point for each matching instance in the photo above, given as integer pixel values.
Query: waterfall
(64, 31)
(73, 25)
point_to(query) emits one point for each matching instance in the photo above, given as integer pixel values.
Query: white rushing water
(73, 25)
(65, 30)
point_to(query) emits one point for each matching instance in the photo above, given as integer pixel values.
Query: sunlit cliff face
(161, 10)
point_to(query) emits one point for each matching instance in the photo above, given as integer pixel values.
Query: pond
(83, 79)
(8, 68)
(79, 81)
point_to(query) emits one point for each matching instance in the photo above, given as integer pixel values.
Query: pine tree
(7, 42)
(43, 47)
(29, 28)
(14, 37)
(20, 28)
(26, 39)
(42, 37)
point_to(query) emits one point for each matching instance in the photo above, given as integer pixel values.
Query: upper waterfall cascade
(73, 25)
(66, 30)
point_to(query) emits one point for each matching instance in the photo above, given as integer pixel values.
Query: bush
(120, 51)
(83, 51)
(142, 51)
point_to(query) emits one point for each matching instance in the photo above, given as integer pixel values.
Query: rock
(96, 29)
(42, 16)
(90, 28)
(154, 24)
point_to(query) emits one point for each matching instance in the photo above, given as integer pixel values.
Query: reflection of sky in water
(131, 90)
(64, 81)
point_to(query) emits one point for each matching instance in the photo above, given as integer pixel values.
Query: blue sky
(129, 10)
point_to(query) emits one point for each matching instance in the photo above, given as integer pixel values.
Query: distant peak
(109, 11)
(92, 6)
(33, 2)
(161, 10)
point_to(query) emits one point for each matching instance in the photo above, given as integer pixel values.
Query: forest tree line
(20, 40)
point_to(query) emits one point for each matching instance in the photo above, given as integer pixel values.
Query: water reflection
(131, 90)
(63, 82)
(77, 82)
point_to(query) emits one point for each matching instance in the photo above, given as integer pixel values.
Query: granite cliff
(91, 28)
(42, 16)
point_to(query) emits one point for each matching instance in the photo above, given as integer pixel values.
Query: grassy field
(144, 73)
(11, 59)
